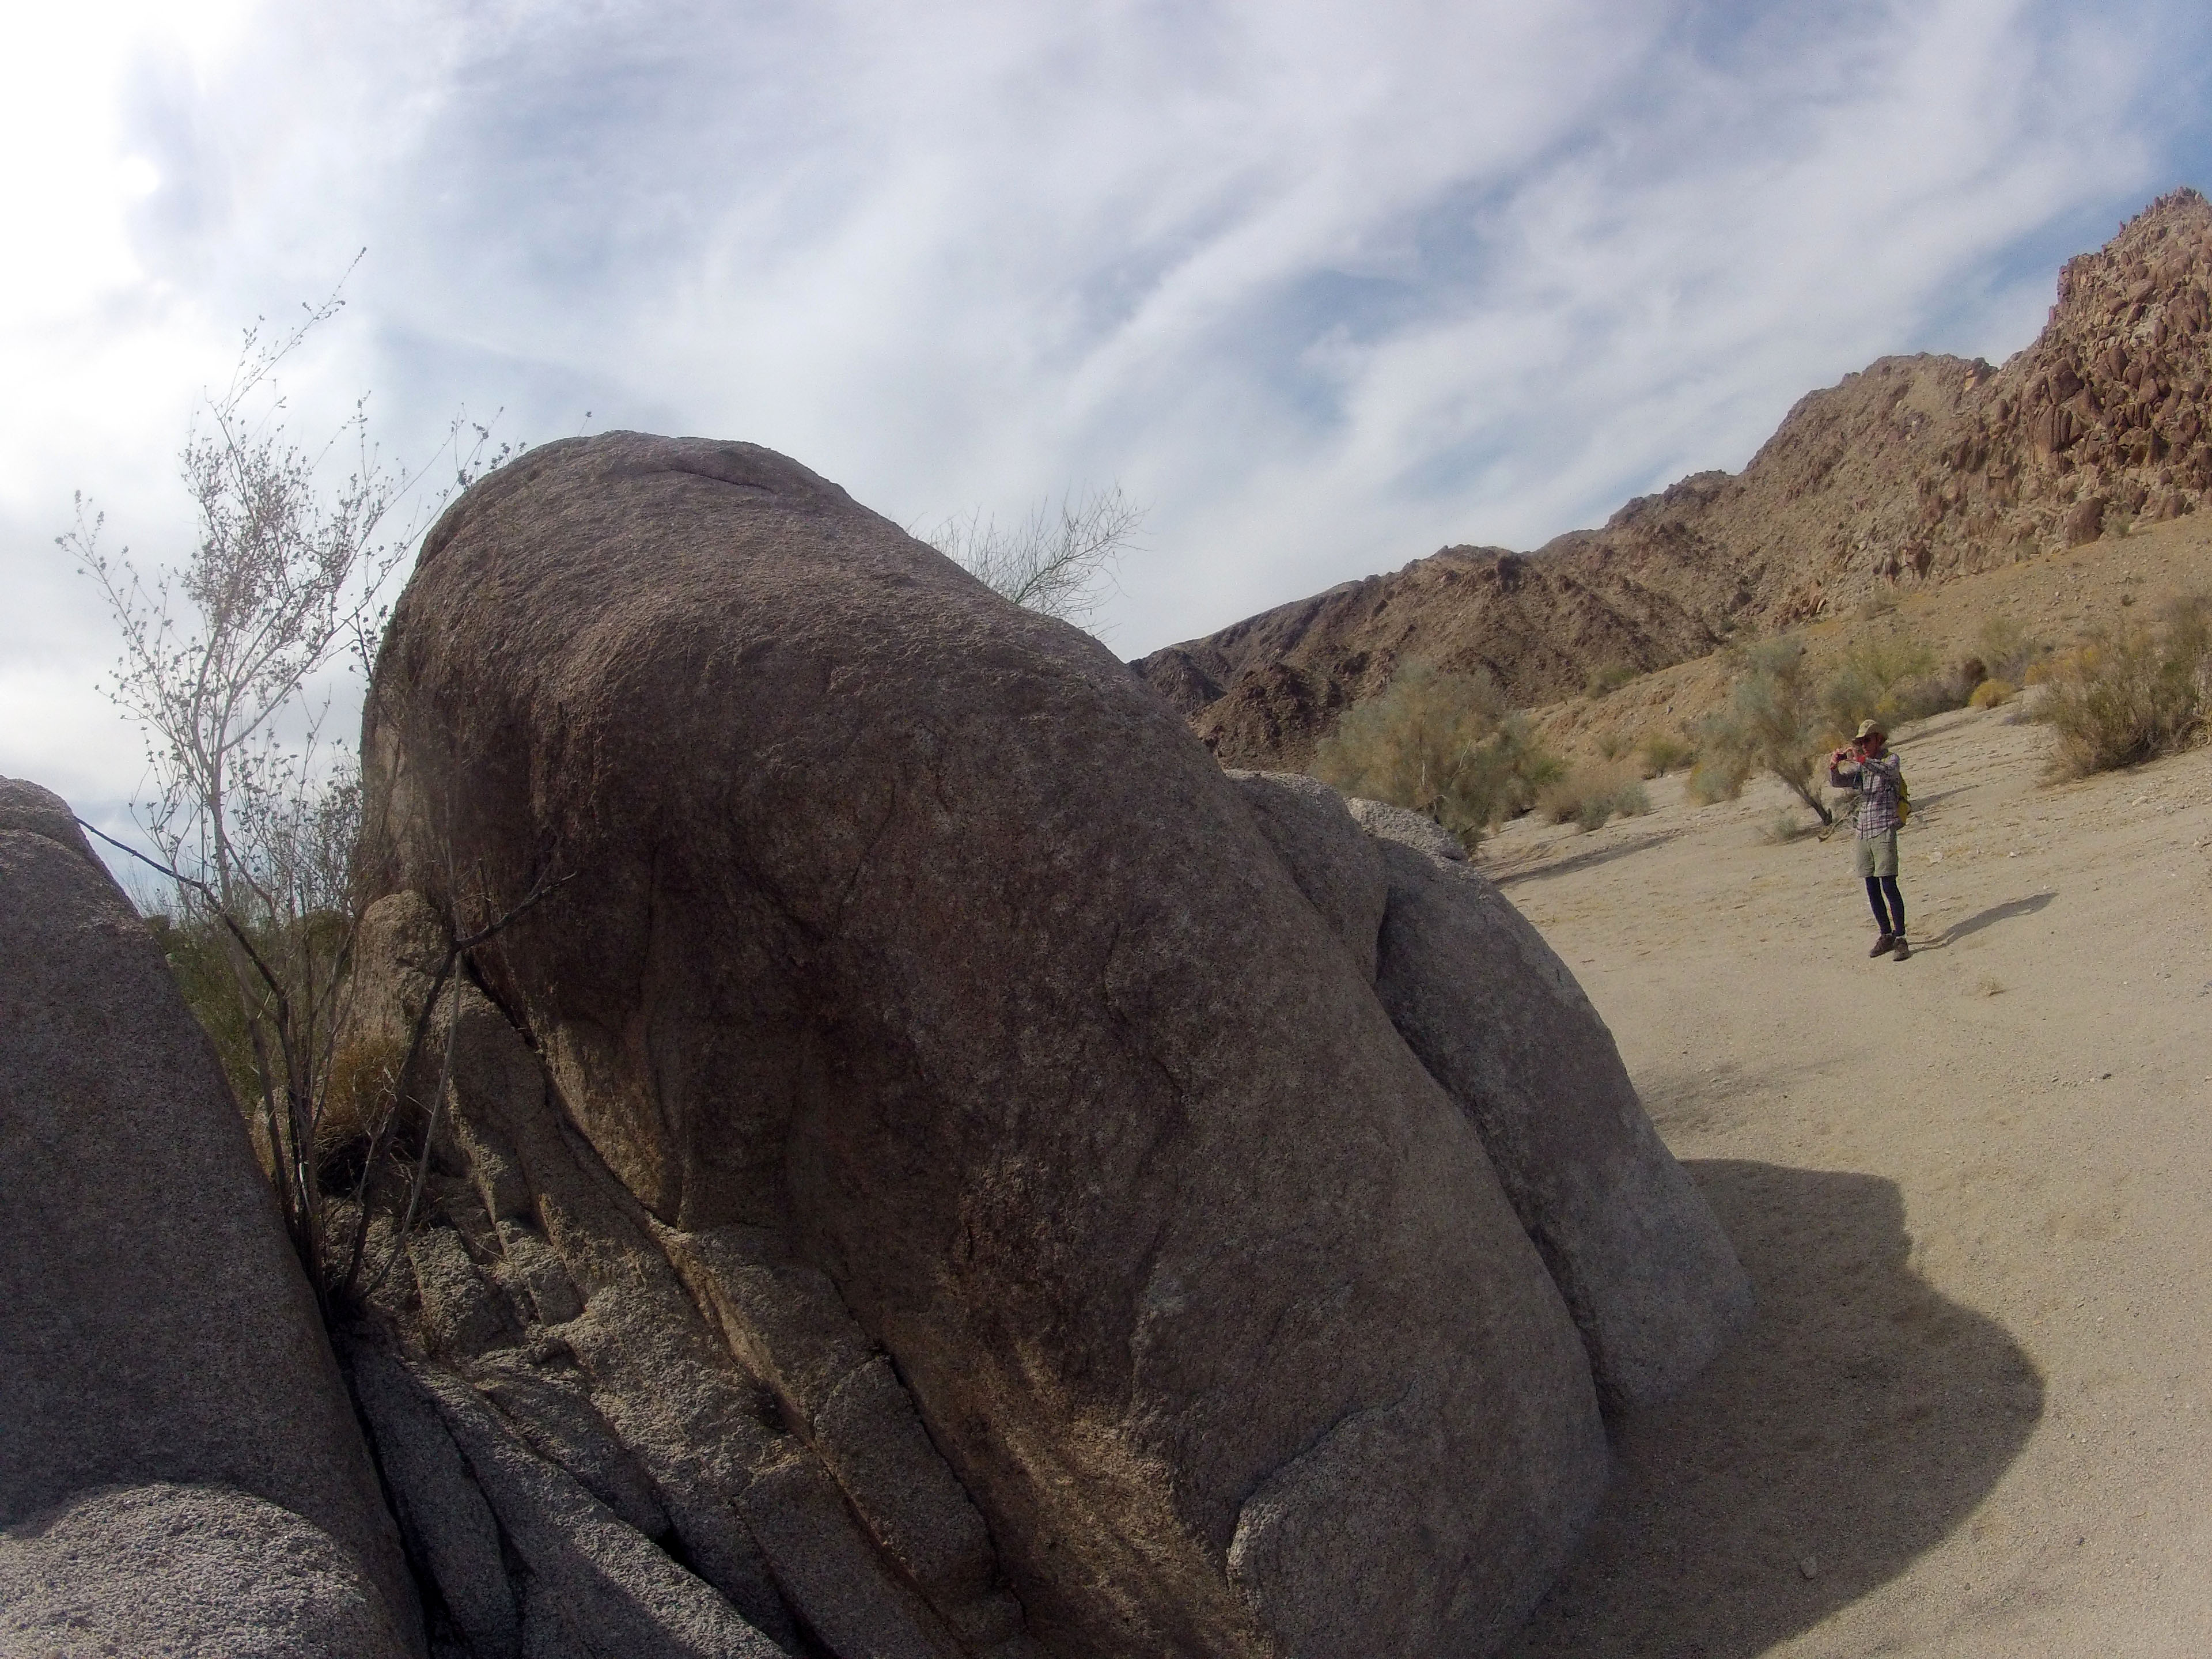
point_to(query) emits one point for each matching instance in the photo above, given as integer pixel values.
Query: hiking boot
(1903, 949)
(1884, 945)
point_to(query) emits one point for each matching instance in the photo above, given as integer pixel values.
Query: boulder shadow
(1535, 870)
(1857, 1421)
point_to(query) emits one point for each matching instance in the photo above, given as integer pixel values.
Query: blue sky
(1326, 286)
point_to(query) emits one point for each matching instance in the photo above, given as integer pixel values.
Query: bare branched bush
(1057, 562)
(254, 816)
(1445, 745)
(2133, 693)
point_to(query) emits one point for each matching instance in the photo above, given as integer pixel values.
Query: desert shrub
(1992, 694)
(1917, 698)
(1611, 745)
(1630, 800)
(1873, 678)
(1592, 795)
(254, 813)
(1783, 829)
(1661, 753)
(1608, 679)
(1059, 561)
(363, 1079)
(1775, 721)
(1445, 745)
(2008, 650)
(1718, 775)
(2133, 693)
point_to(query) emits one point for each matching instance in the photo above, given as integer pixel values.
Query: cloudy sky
(1325, 286)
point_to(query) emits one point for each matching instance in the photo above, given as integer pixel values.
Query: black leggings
(1888, 903)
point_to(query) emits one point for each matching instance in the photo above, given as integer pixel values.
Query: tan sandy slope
(2057, 596)
(1974, 1414)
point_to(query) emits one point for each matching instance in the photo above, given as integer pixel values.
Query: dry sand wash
(1973, 1416)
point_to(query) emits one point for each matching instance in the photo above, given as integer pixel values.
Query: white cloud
(1329, 286)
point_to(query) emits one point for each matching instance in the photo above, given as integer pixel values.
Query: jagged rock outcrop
(179, 1469)
(678, 1432)
(1916, 469)
(935, 1170)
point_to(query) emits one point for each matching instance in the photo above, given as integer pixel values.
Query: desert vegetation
(1446, 744)
(1589, 797)
(1662, 752)
(1056, 561)
(1782, 713)
(255, 812)
(2132, 692)
(1777, 721)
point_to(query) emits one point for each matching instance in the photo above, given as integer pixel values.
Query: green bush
(1608, 679)
(1773, 722)
(1445, 745)
(1661, 753)
(1917, 698)
(1874, 679)
(2008, 650)
(1718, 775)
(2133, 693)
(1591, 797)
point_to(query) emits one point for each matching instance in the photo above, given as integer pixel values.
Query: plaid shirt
(1877, 780)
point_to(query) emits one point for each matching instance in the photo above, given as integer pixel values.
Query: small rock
(1810, 1566)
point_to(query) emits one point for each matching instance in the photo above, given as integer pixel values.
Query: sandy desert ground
(1974, 1416)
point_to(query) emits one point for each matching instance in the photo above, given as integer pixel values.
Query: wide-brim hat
(1871, 729)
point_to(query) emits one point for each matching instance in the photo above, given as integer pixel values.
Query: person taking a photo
(1866, 765)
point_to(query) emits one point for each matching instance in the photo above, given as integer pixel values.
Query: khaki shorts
(1875, 855)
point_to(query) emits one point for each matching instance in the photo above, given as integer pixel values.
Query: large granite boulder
(1498, 1020)
(161, 1360)
(933, 1006)
(169, 1571)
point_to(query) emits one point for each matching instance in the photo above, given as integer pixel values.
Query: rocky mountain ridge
(1915, 470)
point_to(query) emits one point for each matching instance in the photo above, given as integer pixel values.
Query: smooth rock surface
(911, 930)
(155, 1324)
(1335, 865)
(1498, 1020)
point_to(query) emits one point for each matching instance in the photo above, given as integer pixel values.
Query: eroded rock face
(935, 1019)
(1913, 470)
(156, 1334)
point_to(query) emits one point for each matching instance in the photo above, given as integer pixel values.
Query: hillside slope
(1914, 470)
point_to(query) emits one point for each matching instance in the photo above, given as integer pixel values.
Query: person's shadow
(1989, 917)
(1859, 1419)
